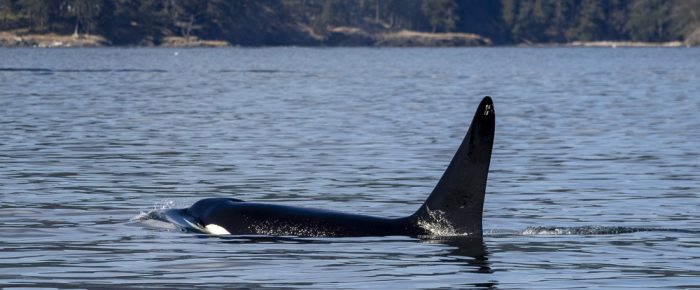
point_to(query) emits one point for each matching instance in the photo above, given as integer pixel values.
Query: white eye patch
(216, 230)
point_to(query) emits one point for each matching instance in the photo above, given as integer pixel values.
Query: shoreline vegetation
(340, 37)
(329, 23)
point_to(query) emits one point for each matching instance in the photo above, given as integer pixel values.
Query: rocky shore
(692, 39)
(177, 41)
(351, 36)
(9, 39)
(337, 36)
(413, 38)
(615, 44)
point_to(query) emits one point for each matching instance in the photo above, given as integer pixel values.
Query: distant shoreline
(337, 37)
(616, 44)
(8, 39)
(340, 37)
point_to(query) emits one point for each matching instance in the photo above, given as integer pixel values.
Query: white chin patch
(216, 230)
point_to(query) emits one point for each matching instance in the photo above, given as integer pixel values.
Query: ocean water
(594, 181)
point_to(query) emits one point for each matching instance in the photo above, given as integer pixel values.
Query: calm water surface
(594, 183)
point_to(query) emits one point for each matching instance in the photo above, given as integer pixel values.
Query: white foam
(437, 224)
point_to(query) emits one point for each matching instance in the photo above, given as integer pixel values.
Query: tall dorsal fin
(458, 198)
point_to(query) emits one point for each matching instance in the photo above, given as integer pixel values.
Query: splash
(155, 213)
(437, 224)
(155, 217)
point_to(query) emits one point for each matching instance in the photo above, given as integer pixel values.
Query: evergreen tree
(85, 13)
(685, 18)
(648, 20)
(255, 22)
(39, 12)
(7, 12)
(590, 21)
(441, 13)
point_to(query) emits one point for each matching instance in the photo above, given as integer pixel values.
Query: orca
(454, 207)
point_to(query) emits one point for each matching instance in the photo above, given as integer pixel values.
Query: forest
(311, 22)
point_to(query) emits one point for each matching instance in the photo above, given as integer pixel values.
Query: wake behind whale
(596, 230)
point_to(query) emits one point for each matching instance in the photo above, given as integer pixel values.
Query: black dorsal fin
(458, 198)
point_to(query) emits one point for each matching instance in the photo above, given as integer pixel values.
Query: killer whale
(455, 204)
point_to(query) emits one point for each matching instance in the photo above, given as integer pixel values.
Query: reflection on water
(594, 181)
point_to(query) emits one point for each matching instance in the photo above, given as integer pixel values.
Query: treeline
(308, 22)
(586, 20)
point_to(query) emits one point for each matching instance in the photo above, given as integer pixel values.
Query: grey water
(594, 182)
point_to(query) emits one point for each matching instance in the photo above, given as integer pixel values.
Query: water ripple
(593, 182)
